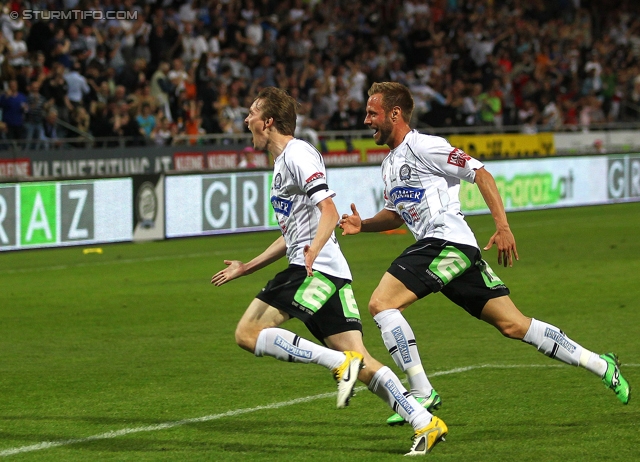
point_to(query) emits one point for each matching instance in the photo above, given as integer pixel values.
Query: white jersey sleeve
(310, 173)
(446, 160)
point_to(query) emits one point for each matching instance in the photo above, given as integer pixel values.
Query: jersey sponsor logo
(406, 217)
(277, 181)
(282, 206)
(405, 194)
(559, 339)
(410, 215)
(405, 172)
(315, 176)
(292, 349)
(403, 345)
(398, 396)
(458, 158)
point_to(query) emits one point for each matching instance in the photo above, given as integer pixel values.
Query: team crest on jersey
(282, 206)
(405, 172)
(458, 158)
(277, 182)
(404, 194)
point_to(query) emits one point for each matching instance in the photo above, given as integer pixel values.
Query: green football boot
(613, 378)
(431, 403)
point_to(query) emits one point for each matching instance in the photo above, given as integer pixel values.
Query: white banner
(59, 213)
(524, 184)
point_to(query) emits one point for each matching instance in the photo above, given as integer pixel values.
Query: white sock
(387, 386)
(554, 343)
(399, 339)
(287, 346)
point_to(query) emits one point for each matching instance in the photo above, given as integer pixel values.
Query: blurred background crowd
(169, 68)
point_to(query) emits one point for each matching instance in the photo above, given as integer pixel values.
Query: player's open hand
(351, 224)
(506, 243)
(234, 269)
(309, 257)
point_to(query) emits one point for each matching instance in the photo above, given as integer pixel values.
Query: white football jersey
(422, 182)
(299, 184)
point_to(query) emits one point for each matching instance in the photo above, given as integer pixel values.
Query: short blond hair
(394, 94)
(277, 104)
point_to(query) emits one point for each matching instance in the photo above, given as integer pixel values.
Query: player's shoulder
(300, 151)
(426, 141)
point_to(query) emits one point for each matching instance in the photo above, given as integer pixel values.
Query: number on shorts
(450, 263)
(349, 305)
(314, 292)
(491, 279)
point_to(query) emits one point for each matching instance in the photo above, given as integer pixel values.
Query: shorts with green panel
(457, 270)
(324, 303)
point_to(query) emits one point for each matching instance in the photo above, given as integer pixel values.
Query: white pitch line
(119, 261)
(236, 412)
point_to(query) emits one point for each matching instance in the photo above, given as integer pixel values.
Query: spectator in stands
(304, 124)
(528, 117)
(60, 48)
(551, 116)
(14, 106)
(18, 52)
(233, 116)
(141, 49)
(265, 72)
(113, 43)
(78, 47)
(77, 86)
(50, 137)
(24, 76)
(246, 158)
(490, 106)
(126, 126)
(161, 88)
(101, 125)
(177, 76)
(82, 119)
(55, 89)
(34, 116)
(146, 119)
(164, 132)
(8, 24)
(133, 76)
(530, 51)
(91, 38)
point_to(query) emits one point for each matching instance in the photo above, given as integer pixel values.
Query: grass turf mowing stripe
(178, 423)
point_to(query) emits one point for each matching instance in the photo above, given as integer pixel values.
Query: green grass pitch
(129, 355)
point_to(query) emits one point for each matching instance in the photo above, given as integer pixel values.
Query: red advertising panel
(14, 168)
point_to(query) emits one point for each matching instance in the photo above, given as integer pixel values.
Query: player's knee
(376, 306)
(246, 338)
(513, 330)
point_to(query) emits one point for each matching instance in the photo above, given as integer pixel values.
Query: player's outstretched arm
(503, 237)
(384, 220)
(236, 268)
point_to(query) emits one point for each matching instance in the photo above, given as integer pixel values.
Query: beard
(384, 132)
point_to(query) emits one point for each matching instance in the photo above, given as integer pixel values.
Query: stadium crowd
(160, 68)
